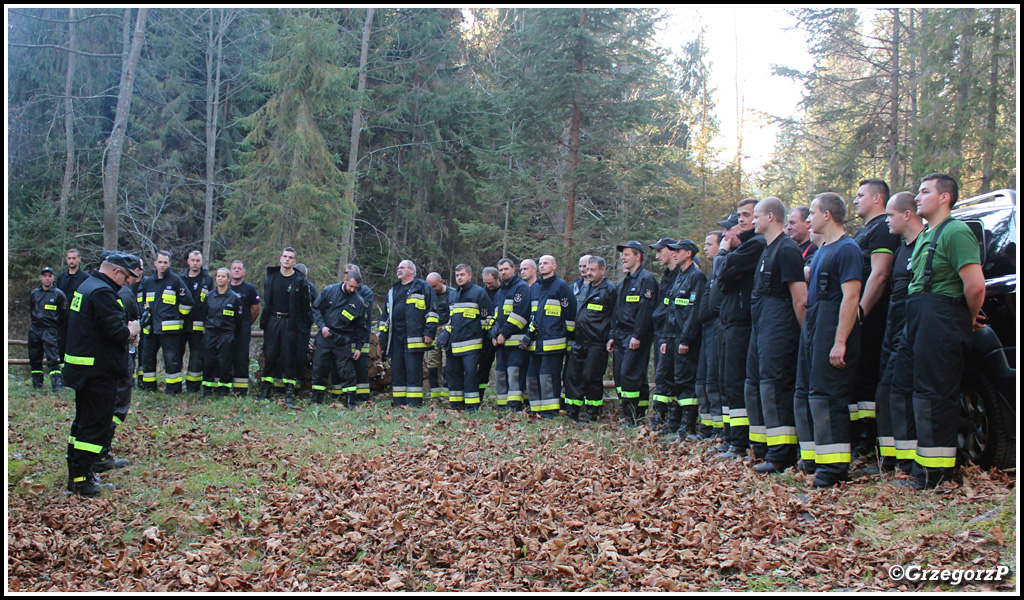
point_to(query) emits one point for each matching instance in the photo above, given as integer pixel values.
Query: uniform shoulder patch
(565, 302)
(519, 298)
(649, 293)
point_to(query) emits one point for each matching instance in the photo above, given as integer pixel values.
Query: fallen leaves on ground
(480, 508)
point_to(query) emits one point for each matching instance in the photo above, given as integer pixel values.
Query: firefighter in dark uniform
(340, 316)
(48, 307)
(98, 336)
(829, 348)
(632, 332)
(407, 328)
(736, 281)
(128, 298)
(304, 338)
(435, 357)
(683, 339)
(469, 309)
(363, 360)
(168, 301)
(553, 319)
(511, 309)
(777, 303)
(250, 312)
(199, 283)
(664, 363)
(491, 284)
(706, 386)
(943, 307)
(68, 282)
(286, 309)
(901, 213)
(223, 310)
(587, 361)
(799, 230)
(878, 248)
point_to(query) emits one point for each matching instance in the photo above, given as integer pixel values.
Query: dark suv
(988, 391)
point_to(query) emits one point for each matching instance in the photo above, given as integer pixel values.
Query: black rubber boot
(266, 391)
(37, 380)
(572, 412)
(317, 397)
(672, 421)
(57, 381)
(350, 401)
(289, 396)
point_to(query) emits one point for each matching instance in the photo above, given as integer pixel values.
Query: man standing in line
(664, 363)
(901, 213)
(435, 357)
(778, 301)
(363, 360)
(250, 312)
(199, 283)
(632, 333)
(829, 347)
(587, 361)
(98, 335)
(878, 248)
(287, 306)
(511, 317)
(222, 320)
(553, 319)
(798, 229)
(528, 271)
(470, 311)
(943, 307)
(68, 282)
(706, 386)
(682, 339)
(735, 281)
(339, 315)
(407, 328)
(492, 283)
(579, 284)
(48, 307)
(168, 301)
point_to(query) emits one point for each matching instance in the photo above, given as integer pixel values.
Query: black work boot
(193, 387)
(207, 391)
(107, 462)
(672, 420)
(660, 416)
(266, 391)
(37, 380)
(591, 415)
(57, 381)
(317, 397)
(572, 412)
(289, 396)
(350, 401)
(628, 413)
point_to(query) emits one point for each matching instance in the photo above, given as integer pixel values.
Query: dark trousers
(775, 337)
(362, 365)
(193, 340)
(752, 400)
(585, 365)
(926, 383)
(544, 383)
(897, 319)
(42, 342)
(823, 394)
(122, 404)
(279, 349)
(665, 371)
(334, 355)
(62, 339)
(406, 375)
(510, 375)
(170, 345)
(864, 415)
(706, 385)
(218, 367)
(483, 370)
(94, 410)
(240, 359)
(734, 339)
(629, 368)
(460, 371)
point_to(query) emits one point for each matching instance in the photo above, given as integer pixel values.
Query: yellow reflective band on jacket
(596, 307)
(553, 310)
(228, 312)
(85, 361)
(169, 298)
(419, 303)
(507, 307)
(117, 420)
(468, 346)
(682, 301)
(348, 315)
(517, 320)
(632, 298)
(120, 303)
(76, 301)
(53, 306)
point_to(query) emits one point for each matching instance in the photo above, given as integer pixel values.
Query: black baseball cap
(123, 260)
(47, 270)
(631, 244)
(732, 221)
(665, 242)
(685, 244)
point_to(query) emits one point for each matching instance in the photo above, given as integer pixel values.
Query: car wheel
(982, 437)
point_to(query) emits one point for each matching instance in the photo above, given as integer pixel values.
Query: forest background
(459, 135)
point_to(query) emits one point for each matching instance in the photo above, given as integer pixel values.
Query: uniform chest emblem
(565, 302)
(649, 294)
(519, 298)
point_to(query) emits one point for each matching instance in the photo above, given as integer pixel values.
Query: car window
(999, 257)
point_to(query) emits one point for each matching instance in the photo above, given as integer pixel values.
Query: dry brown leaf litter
(490, 512)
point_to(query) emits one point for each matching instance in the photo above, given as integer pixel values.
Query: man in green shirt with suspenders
(943, 302)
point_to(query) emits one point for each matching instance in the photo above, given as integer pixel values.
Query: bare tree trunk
(215, 46)
(894, 102)
(574, 153)
(989, 138)
(69, 117)
(115, 145)
(353, 148)
(964, 21)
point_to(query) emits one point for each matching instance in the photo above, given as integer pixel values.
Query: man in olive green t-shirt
(945, 297)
